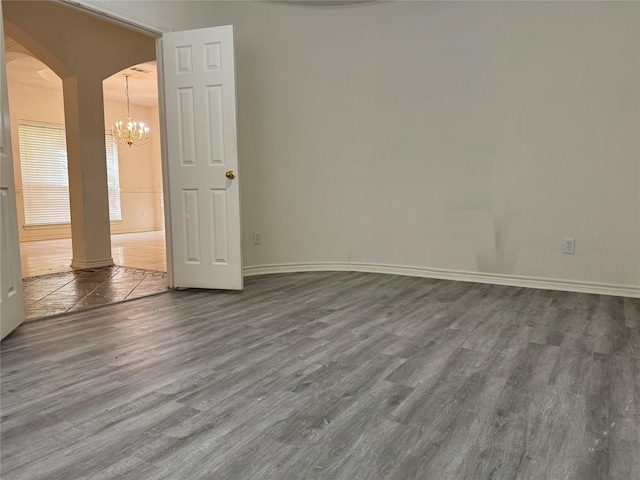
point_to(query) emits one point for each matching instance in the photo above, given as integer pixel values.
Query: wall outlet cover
(569, 245)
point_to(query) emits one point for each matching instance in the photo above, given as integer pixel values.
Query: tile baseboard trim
(445, 274)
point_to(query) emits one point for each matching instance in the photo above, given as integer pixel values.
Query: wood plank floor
(328, 376)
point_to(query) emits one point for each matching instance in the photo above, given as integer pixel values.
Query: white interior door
(202, 158)
(11, 301)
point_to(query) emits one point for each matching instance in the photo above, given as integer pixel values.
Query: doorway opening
(198, 128)
(136, 218)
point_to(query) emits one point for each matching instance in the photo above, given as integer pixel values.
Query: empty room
(402, 242)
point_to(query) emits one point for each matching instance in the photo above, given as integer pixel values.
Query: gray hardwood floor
(328, 376)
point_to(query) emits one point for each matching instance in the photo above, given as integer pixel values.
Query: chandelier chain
(126, 92)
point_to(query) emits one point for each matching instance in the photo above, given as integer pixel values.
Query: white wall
(467, 136)
(140, 167)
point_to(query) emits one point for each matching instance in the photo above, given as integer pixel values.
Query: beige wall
(140, 167)
(140, 173)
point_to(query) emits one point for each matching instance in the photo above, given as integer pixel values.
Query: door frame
(164, 158)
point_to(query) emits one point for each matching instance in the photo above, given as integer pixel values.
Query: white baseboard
(443, 274)
(83, 264)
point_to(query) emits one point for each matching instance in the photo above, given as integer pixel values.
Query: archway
(81, 76)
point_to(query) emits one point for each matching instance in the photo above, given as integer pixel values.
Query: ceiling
(22, 68)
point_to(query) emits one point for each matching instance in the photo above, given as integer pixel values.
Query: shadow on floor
(56, 293)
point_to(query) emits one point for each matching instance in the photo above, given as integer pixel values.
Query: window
(113, 177)
(45, 178)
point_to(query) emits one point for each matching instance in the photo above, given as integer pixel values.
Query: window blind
(113, 177)
(45, 178)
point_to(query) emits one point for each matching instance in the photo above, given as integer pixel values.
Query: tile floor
(51, 287)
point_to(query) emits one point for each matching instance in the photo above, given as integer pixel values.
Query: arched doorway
(78, 94)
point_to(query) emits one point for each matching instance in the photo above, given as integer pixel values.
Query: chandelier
(129, 132)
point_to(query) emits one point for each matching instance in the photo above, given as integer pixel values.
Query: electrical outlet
(569, 245)
(257, 238)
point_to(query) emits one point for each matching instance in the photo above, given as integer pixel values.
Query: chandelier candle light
(131, 133)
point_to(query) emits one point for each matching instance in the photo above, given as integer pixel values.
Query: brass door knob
(230, 174)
